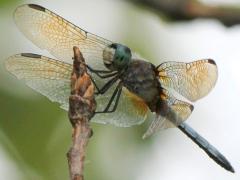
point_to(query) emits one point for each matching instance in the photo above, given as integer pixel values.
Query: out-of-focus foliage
(7, 3)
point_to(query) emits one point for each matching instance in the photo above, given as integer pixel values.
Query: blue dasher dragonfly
(128, 88)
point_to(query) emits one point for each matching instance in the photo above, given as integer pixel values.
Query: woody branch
(82, 106)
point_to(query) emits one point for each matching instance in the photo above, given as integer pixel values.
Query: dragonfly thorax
(140, 79)
(116, 56)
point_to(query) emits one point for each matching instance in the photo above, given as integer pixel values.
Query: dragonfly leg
(108, 85)
(107, 75)
(99, 72)
(117, 92)
(105, 87)
(95, 84)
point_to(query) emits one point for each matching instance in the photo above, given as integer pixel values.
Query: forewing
(192, 80)
(47, 76)
(51, 78)
(172, 114)
(53, 33)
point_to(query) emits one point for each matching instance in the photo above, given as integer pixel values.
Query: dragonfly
(129, 89)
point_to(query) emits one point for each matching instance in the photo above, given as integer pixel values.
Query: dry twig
(82, 106)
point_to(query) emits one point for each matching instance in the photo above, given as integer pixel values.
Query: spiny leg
(105, 87)
(108, 85)
(117, 92)
(97, 72)
(95, 84)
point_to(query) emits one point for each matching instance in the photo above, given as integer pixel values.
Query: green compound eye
(122, 56)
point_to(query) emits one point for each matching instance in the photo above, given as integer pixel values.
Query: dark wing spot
(37, 7)
(31, 55)
(211, 61)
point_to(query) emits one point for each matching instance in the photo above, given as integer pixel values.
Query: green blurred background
(35, 134)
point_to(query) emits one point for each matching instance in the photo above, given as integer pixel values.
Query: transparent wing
(51, 78)
(53, 33)
(173, 113)
(192, 80)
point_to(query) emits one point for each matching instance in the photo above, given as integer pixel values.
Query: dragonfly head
(116, 56)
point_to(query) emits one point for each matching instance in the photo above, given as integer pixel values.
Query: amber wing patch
(192, 80)
(140, 106)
